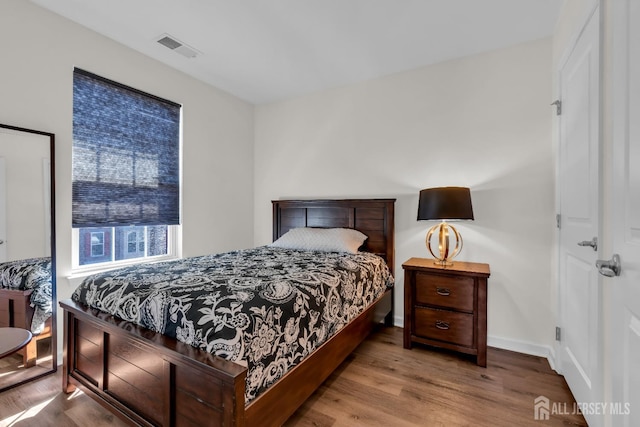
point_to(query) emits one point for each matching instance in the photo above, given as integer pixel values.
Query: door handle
(593, 243)
(609, 268)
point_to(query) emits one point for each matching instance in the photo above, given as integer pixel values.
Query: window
(94, 245)
(121, 244)
(132, 242)
(97, 243)
(126, 173)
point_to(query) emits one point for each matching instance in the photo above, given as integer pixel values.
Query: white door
(580, 355)
(624, 311)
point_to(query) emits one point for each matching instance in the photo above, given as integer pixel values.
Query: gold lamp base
(445, 255)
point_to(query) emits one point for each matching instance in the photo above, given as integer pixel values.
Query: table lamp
(445, 203)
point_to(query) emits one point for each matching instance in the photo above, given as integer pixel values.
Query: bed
(153, 379)
(25, 301)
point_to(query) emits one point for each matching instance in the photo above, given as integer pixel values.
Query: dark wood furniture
(16, 312)
(150, 379)
(446, 306)
(12, 340)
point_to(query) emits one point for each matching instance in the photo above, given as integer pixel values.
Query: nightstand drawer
(444, 325)
(452, 292)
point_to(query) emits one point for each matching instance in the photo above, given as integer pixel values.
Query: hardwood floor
(383, 384)
(380, 384)
(12, 369)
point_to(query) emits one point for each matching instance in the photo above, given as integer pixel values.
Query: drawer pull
(442, 325)
(445, 292)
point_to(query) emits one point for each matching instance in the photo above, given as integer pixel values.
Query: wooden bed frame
(16, 312)
(150, 379)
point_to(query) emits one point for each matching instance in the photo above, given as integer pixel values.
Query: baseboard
(398, 321)
(524, 347)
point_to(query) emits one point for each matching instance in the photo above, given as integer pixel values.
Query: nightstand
(446, 306)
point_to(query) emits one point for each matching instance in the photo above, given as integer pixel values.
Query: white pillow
(321, 239)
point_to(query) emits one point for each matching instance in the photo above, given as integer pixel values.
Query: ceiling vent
(177, 46)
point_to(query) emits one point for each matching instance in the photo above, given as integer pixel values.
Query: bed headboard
(373, 217)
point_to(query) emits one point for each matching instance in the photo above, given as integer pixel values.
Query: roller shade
(126, 155)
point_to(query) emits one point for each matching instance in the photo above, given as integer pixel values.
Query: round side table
(12, 340)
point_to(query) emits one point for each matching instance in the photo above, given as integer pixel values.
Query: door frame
(618, 27)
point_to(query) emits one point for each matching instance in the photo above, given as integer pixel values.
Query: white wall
(39, 52)
(482, 121)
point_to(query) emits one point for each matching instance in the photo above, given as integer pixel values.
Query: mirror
(27, 255)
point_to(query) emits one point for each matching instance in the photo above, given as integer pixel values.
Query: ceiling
(267, 50)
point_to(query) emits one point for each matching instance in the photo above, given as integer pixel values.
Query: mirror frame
(52, 205)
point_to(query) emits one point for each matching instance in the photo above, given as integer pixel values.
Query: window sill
(86, 271)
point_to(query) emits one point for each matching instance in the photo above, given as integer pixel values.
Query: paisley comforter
(34, 274)
(264, 308)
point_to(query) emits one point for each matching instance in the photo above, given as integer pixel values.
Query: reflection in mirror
(27, 256)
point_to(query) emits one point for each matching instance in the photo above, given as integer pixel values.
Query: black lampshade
(445, 203)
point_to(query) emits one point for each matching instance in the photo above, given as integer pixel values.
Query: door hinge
(558, 105)
(558, 220)
(557, 333)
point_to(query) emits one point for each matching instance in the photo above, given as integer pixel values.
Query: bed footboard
(149, 379)
(282, 399)
(16, 312)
